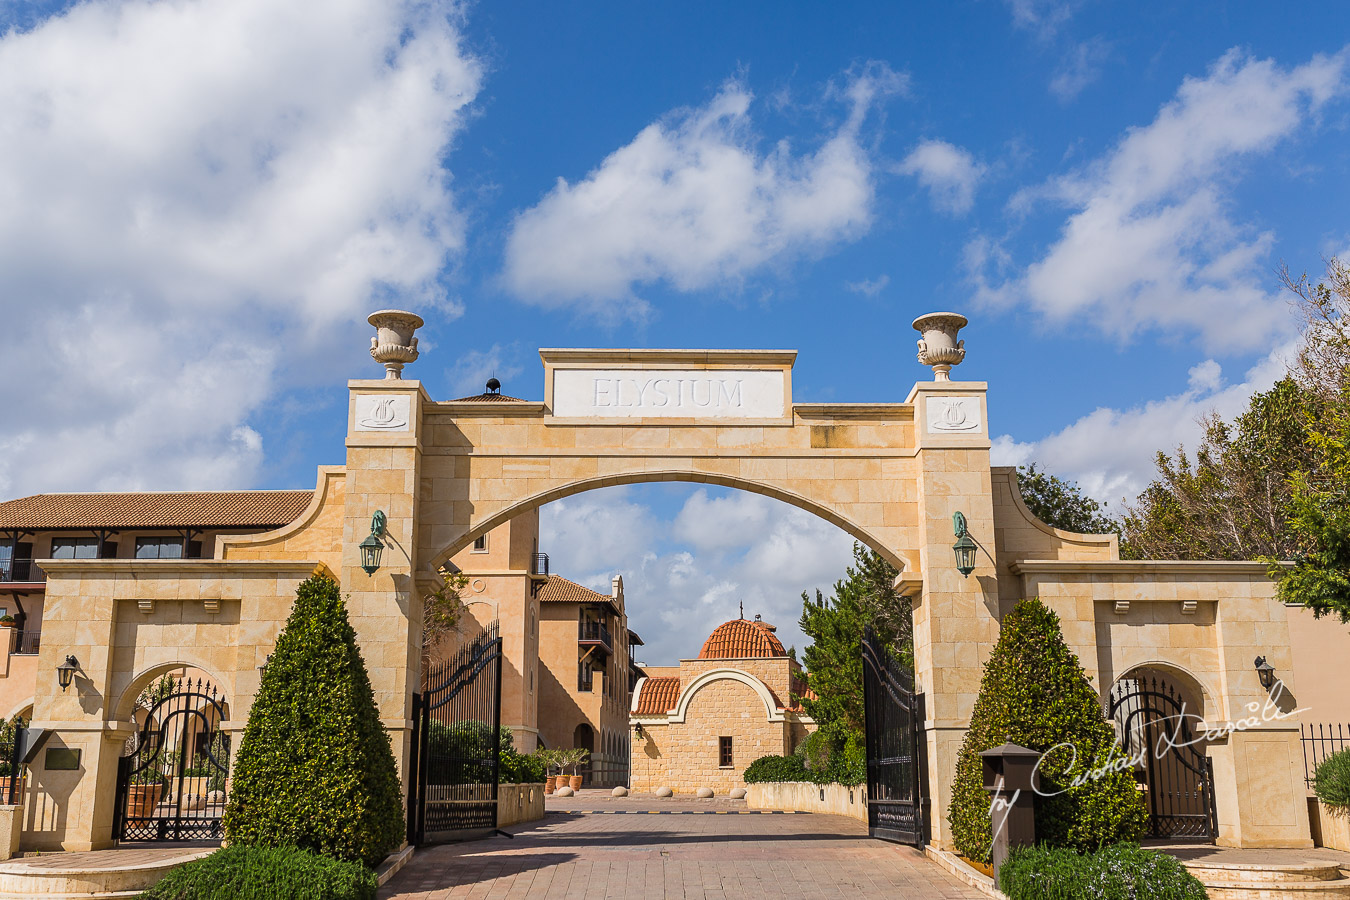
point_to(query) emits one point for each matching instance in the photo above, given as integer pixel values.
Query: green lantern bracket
(372, 547)
(965, 545)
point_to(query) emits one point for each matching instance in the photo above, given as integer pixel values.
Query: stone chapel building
(699, 724)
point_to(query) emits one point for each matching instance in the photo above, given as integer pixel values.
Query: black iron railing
(594, 632)
(1320, 740)
(11, 770)
(540, 566)
(26, 642)
(585, 678)
(21, 570)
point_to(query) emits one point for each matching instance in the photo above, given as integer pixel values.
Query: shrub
(1034, 693)
(265, 873)
(315, 769)
(776, 768)
(1117, 872)
(1331, 780)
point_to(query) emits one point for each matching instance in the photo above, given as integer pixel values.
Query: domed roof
(742, 639)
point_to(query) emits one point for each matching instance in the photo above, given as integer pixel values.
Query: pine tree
(1035, 693)
(315, 769)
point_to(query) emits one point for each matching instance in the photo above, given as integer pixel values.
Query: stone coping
(206, 568)
(89, 862)
(1137, 567)
(957, 867)
(602, 355)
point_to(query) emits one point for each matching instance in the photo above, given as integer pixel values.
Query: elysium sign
(670, 393)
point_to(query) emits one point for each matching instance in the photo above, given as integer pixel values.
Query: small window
(480, 544)
(724, 752)
(159, 548)
(74, 548)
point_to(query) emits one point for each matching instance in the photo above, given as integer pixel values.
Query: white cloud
(469, 374)
(1153, 243)
(1044, 17)
(950, 174)
(868, 287)
(693, 201)
(199, 196)
(1110, 452)
(686, 575)
(1080, 68)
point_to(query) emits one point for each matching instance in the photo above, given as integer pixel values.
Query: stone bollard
(664, 792)
(1010, 778)
(705, 793)
(619, 791)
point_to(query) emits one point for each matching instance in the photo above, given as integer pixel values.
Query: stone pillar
(75, 811)
(384, 459)
(955, 617)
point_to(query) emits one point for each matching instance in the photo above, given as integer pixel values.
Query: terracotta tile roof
(489, 398)
(559, 590)
(741, 639)
(657, 697)
(634, 640)
(179, 509)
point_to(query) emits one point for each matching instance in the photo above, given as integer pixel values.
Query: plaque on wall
(381, 413)
(61, 759)
(670, 393)
(954, 415)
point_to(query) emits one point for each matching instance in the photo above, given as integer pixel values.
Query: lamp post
(372, 546)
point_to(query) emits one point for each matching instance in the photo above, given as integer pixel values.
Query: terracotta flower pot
(550, 783)
(142, 799)
(575, 782)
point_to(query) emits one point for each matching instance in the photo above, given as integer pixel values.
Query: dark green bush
(265, 873)
(1034, 693)
(1117, 872)
(776, 768)
(461, 743)
(315, 769)
(1331, 780)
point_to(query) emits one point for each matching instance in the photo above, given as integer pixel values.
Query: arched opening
(583, 738)
(1157, 719)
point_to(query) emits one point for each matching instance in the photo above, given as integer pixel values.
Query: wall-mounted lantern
(1266, 672)
(638, 732)
(65, 673)
(372, 546)
(965, 545)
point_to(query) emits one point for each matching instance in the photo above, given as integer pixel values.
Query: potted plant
(144, 792)
(6, 621)
(549, 759)
(576, 758)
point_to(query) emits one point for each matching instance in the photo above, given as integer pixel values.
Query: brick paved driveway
(683, 852)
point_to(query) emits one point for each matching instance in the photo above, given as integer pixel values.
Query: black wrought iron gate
(1155, 731)
(171, 784)
(456, 750)
(896, 796)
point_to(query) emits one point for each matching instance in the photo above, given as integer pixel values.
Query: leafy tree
(441, 611)
(866, 595)
(1232, 500)
(1034, 693)
(315, 769)
(1319, 502)
(1061, 503)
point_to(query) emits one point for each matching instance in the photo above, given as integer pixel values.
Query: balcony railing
(21, 570)
(26, 642)
(585, 678)
(594, 633)
(540, 566)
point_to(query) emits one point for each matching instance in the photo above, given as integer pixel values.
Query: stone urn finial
(939, 347)
(394, 344)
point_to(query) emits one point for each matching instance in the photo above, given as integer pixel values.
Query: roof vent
(493, 385)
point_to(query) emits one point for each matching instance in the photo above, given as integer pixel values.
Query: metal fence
(11, 770)
(26, 642)
(1320, 740)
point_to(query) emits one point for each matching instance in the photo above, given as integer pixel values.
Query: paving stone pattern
(725, 854)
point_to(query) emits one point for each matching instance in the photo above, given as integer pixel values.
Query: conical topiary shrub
(1034, 693)
(315, 769)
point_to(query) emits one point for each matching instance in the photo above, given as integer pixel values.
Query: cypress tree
(315, 769)
(1035, 693)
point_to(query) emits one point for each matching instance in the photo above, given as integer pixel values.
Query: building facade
(700, 724)
(443, 474)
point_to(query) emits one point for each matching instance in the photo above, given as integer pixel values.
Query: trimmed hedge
(776, 768)
(1118, 872)
(1331, 779)
(265, 873)
(1034, 693)
(472, 740)
(315, 769)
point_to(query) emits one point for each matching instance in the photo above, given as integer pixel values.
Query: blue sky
(204, 199)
